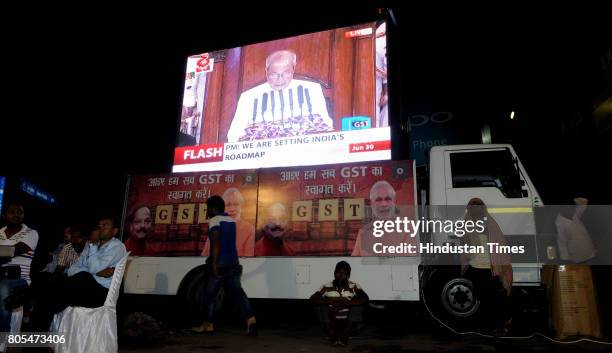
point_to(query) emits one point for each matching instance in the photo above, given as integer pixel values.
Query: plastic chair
(92, 330)
(16, 319)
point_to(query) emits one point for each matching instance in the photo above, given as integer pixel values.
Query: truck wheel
(449, 297)
(192, 294)
(458, 298)
(188, 296)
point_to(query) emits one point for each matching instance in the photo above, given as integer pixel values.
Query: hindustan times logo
(411, 227)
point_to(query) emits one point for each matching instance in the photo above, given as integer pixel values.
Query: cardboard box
(572, 300)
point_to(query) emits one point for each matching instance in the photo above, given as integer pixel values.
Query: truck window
(486, 169)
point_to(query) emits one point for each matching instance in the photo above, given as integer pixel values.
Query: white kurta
(246, 106)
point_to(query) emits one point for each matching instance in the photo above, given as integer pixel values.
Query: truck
(454, 175)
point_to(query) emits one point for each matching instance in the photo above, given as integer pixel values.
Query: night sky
(95, 95)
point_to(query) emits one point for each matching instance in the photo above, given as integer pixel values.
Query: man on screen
(382, 98)
(382, 201)
(281, 106)
(191, 112)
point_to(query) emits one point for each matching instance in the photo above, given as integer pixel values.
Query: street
(309, 338)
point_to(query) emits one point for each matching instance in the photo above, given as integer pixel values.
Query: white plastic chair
(92, 330)
(16, 319)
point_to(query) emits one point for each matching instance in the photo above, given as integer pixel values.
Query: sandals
(252, 330)
(206, 327)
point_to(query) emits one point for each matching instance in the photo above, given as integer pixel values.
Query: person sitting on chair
(89, 278)
(15, 274)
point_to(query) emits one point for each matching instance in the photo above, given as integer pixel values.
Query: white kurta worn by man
(282, 106)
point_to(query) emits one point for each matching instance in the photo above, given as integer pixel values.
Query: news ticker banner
(333, 147)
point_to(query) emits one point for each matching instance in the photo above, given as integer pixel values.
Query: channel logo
(356, 123)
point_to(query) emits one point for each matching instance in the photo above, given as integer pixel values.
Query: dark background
(93, 95)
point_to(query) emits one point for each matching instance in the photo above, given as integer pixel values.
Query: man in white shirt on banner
(383, 203)
(24, 239)
(281, 106)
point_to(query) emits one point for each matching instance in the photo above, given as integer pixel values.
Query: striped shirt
(27, 236)
(67, 256)
(349, 292)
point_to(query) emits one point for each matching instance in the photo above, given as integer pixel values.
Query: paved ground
(291, 326)
(308, 338)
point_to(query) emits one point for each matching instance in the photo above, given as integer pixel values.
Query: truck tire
(449, 297)
(458, 298)
(191, 296)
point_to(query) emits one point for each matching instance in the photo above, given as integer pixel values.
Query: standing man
(382, 98)
(223, 266)
(24, 239)
(245, 231)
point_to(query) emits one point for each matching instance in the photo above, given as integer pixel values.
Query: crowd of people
(78, 272)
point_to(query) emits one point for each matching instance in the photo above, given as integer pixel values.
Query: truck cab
(494, 174)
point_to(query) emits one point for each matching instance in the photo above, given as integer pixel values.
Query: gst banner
(330, 210)
(165, 215)
(325, 210)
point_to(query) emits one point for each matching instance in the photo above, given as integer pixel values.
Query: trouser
(80, 289)
(325, 315)
(494, 304)
(7, 288)
(229, 277)
(339, 327)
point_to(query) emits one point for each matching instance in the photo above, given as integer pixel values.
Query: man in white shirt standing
(281, 106)
(382, 98)
(24, 239)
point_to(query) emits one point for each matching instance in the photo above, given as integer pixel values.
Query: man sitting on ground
(340, 304)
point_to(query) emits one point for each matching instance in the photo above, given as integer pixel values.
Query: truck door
(495, 176)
